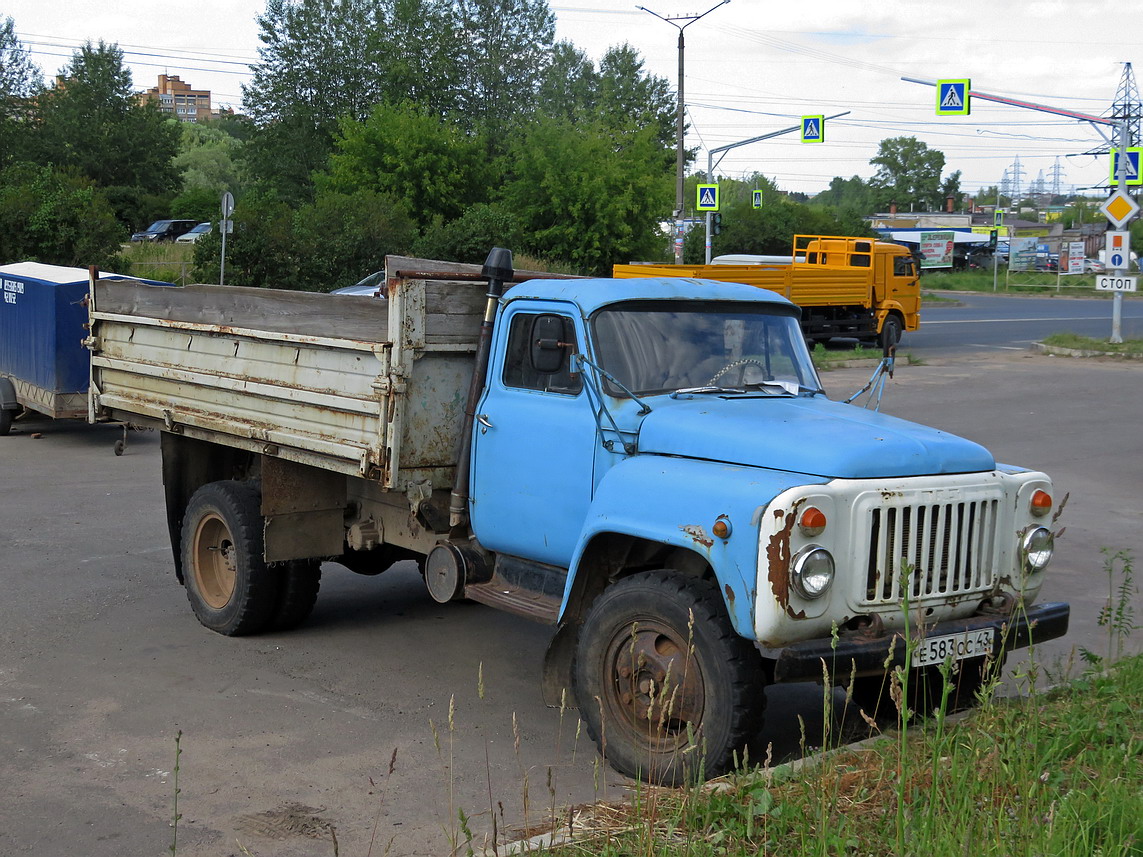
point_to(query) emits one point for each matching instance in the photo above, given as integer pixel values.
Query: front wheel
(890, 332)
(228, 584)
(666, 688)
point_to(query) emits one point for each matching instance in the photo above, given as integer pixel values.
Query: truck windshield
(656, 347)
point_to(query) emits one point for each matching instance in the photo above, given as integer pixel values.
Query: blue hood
(805, 435)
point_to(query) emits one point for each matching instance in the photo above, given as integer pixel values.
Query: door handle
(485, 423)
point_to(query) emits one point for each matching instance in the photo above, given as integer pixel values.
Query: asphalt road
(288, 740)
(985, 322)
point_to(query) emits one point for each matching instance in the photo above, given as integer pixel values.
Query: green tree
(56, 217)
(569, 88)
(420, 60)
(19, 81)
(909, 174)
(405, 152)
(331, 242)
(209, 158)
(585, 195)
(92, 122)
(852, 195)
(990, 195)
(319, 58)
(470, 236)
(503, 51)
(631, 96)
(19, 76)
(319, 61)
(768, 230)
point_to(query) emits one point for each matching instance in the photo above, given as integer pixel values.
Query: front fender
(675, 502)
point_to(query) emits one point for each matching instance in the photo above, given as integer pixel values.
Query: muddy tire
(890, 332)
(230, 588)
(298, 585)
(667, 698)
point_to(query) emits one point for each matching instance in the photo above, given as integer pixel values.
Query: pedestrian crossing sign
(813, 129)
(953, 97)
(707, 197)
(756, 199)
(1132, 174)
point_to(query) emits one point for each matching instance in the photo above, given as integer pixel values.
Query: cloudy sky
(752, 67)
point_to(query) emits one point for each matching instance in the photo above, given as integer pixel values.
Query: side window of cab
(539, 343)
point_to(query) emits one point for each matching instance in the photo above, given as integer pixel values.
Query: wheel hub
(215, 571)
(658, 688)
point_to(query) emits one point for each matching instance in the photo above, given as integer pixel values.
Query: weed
(1118, 613)
(1086, 343)
(176, 816)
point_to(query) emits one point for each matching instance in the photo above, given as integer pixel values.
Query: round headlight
(812, 572)
(1037, 547)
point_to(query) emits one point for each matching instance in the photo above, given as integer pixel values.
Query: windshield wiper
(706, 388)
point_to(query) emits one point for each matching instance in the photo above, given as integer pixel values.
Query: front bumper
(803, 661)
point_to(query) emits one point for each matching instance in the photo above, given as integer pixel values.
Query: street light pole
(673, 21)
(711, 163)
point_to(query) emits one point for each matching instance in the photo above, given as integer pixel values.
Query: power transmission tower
(1056, 174)
(1037, 187)
(1126, 106)
(1006, 185)
(1015, 178)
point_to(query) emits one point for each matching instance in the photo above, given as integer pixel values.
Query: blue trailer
(44, 365)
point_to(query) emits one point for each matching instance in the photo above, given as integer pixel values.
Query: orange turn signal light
(721, 528)
(812, 522)
(1041, 503)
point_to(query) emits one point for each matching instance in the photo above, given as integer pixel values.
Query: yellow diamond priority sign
(1119, 208)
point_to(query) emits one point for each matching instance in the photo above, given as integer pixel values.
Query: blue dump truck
(649, 465)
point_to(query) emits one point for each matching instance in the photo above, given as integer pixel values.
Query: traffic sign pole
(1124, 139)
(1121, 182)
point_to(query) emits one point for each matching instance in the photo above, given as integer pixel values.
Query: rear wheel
(666, 688)
(229, 586)
(298, 588)
(5, 421)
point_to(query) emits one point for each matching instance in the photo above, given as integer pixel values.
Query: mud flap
(557, 679)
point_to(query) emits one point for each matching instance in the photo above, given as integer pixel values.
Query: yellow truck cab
(845, 286)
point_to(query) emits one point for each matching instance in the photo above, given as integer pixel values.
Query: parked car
(373, 285)
(193, 235)
(1093, 266)
(164, 230)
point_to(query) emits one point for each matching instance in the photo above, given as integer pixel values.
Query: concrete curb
(1061, 351)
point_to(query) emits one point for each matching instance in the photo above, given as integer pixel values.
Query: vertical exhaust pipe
(497, 268)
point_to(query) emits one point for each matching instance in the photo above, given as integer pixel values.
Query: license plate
(970, 644)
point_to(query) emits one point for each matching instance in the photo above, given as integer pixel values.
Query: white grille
(948, 548)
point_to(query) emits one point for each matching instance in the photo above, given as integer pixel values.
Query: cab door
(534, 441)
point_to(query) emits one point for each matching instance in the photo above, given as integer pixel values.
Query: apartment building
(175, 96)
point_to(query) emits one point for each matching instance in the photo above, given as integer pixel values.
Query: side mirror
(548, 350)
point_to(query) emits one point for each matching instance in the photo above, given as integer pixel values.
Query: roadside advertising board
(937, 249)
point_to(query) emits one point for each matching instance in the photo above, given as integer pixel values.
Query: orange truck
(853, 287)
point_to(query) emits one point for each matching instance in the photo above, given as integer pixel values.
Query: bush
(55, 217)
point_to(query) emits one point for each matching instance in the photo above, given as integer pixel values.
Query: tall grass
(168, 261)
(1057, 773)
